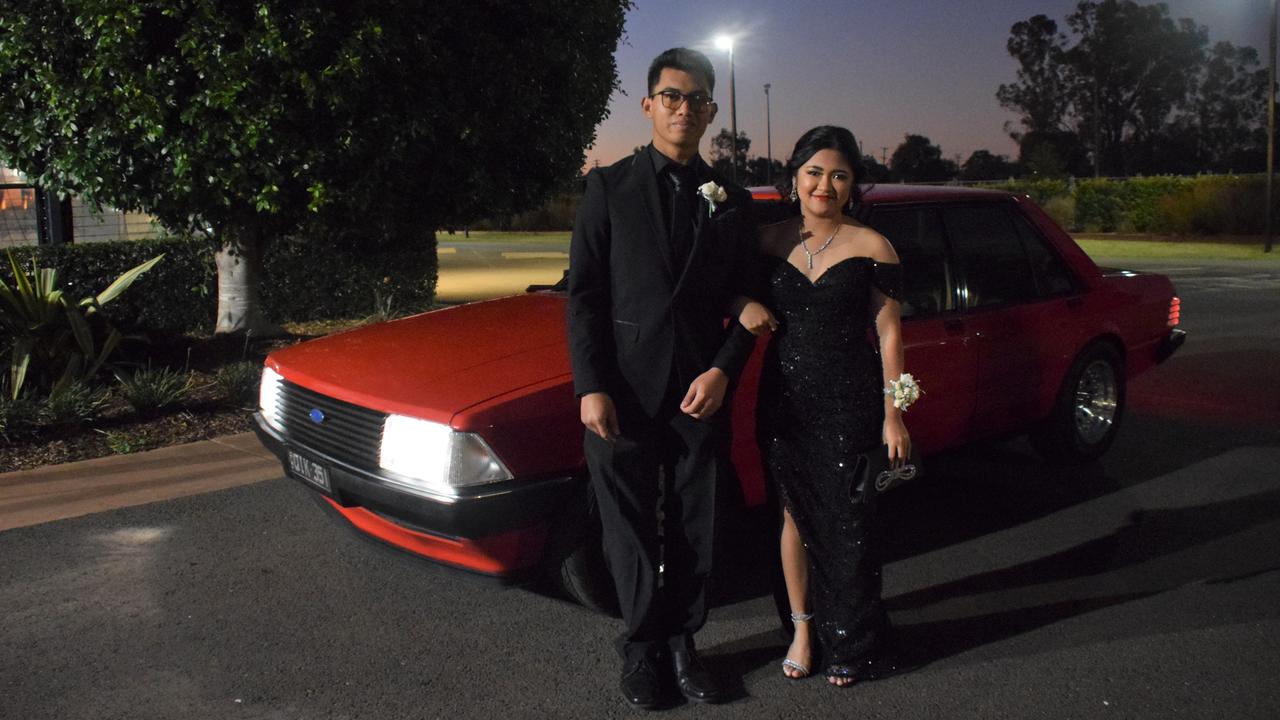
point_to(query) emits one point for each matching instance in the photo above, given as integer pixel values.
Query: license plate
(309, 470)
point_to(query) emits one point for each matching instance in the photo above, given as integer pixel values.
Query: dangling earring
(851, 201)
(794, 196)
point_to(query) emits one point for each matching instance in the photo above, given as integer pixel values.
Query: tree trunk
(239, 274)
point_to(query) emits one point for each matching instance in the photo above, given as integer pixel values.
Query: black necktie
(682, 181)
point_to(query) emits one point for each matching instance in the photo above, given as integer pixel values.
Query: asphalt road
(1143, 585)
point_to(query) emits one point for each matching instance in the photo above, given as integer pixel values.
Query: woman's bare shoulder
(874, 245)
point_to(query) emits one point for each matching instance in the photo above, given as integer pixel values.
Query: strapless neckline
(833, 266)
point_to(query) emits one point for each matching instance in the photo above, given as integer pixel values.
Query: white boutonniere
(905, 391)
(713, 194)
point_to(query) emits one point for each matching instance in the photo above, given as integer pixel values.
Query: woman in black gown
(827, 279)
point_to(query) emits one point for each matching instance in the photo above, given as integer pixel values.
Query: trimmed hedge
(301, 280)
(1202, 205)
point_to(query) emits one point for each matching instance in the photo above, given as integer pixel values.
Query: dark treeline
(1129, 90)
(1120, 89)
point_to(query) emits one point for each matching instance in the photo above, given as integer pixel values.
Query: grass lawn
(492, 236)
(1158, 248)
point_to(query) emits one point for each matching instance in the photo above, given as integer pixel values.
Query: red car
(454, 434)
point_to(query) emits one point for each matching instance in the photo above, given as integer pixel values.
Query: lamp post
(724, 42)
(1271, 125)
(768, 139)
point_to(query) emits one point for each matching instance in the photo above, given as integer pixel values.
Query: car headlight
(269, 398)
(436, 458)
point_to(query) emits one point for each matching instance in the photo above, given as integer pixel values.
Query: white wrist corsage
(905, 391)
(713, 194)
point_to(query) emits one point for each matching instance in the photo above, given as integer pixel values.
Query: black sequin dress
(821, 403)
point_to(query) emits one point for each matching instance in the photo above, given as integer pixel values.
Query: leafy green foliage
(52, 340)
(310, 281)
(150, 389)
(71, 405)
(360, 122)
(123, 443)
(1211, 205)
(237, 382)
(1202, 205)
(17, 415)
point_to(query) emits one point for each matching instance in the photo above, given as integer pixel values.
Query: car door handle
(953, 327)
(1075, 303)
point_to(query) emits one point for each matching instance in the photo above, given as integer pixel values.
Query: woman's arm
(888, 318)
(888, 314)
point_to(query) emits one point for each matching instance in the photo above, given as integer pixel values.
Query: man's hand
(599, 415)
(705, 395)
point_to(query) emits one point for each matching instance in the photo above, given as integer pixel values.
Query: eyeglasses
(673, 99)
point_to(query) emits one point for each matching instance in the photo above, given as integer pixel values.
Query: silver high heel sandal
(788, 663)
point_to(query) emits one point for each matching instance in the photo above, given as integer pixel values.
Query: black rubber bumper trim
(1170, 344)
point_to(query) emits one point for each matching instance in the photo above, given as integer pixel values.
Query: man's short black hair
(690, 61)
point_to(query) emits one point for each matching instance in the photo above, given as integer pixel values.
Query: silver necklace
(825, 244)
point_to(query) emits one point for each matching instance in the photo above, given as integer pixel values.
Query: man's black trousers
(625, 476)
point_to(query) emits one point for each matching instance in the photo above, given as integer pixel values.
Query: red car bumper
(501, 533)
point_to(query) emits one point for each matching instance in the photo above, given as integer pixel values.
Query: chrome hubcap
(1096, 400)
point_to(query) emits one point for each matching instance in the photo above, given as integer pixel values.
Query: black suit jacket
(634, 316)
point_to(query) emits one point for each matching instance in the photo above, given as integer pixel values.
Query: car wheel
(1088, 409)
(582, 572)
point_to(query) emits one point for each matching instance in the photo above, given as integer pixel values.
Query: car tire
(581, 571)
(1088, 409)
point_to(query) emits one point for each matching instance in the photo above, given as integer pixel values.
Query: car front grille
(345, 432)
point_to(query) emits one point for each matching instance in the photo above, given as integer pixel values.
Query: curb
(57, 492)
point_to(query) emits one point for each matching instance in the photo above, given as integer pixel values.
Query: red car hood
(439, 363)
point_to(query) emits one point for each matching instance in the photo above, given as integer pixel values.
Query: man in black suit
(660, 248)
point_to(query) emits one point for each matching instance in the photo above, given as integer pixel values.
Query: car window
(917, 235)
(768, 212)
(1051, 273)
(996, 268)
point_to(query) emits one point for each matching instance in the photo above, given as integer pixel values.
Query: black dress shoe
(693, 679)
(640, 684)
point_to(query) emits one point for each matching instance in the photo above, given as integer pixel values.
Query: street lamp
(768, 139)
(1271, 125)
(724, 42)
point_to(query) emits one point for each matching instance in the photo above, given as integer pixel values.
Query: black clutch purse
(874, 474)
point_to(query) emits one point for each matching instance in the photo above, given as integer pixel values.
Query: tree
(1131, 69)
(1228, 111)
(1053, 154)
(984, 165)
(762, 171)
(875, 171)
(1042, 93)
(368, 122)
(1123, 84)
(722, 154)
(917, 159)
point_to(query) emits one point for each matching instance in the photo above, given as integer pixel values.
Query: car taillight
(1175, 312)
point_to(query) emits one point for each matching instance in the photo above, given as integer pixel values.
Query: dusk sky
(881, 69)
